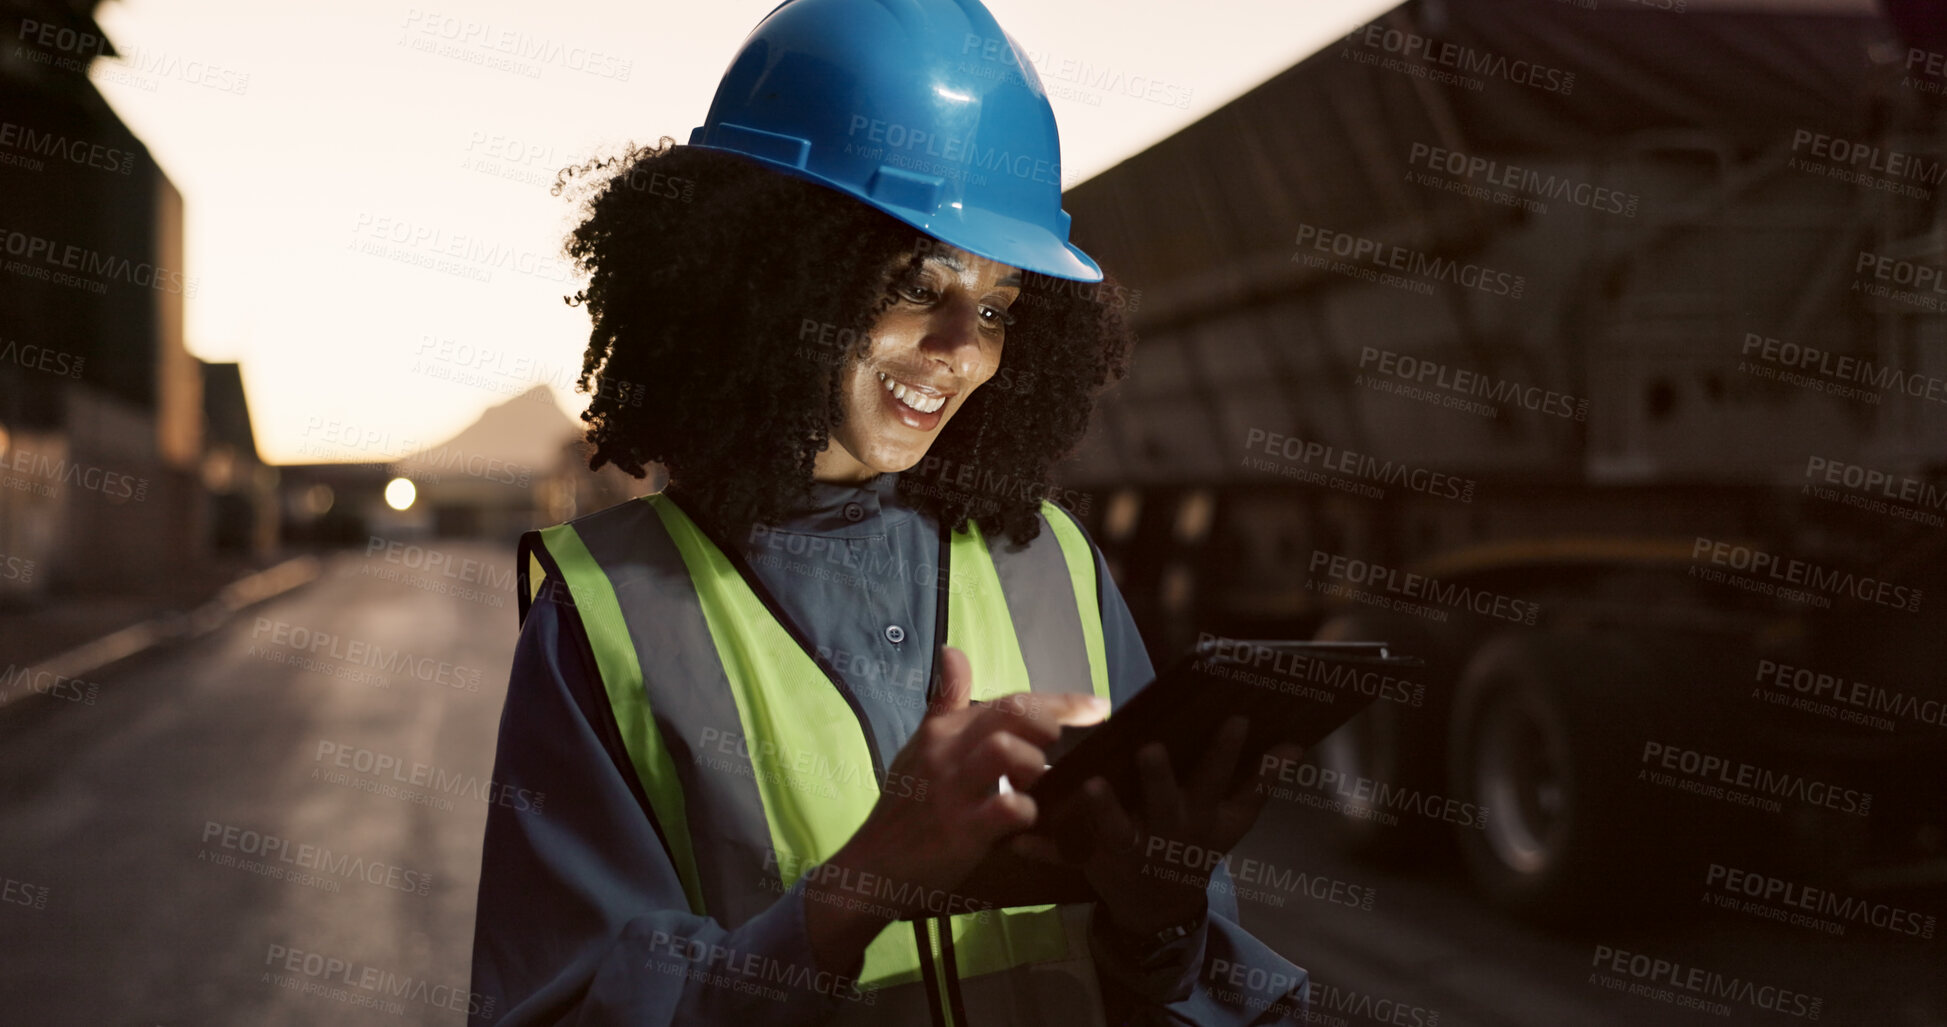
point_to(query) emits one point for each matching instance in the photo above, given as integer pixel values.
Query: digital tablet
(1297, 691)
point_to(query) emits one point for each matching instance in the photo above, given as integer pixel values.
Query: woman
(846, 320)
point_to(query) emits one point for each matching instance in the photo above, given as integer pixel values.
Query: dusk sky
(306, 137)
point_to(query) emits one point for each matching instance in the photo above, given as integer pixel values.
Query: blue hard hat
(923, 109)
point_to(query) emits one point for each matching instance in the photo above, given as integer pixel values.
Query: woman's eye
(1001, 317)
(918, 293)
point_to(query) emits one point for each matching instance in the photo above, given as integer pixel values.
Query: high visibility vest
(758, 762)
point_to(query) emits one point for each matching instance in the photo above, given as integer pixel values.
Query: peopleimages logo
(953, 149)
(1525, 181)
(32, 249)
(1837, 371)
(473, 256)
(1462, 58)
(1927, 281)
(1704, 773)
(1856, 163)
(1877, 482)
(1172, 859)
(1817, 689)
(1284, 668)
(747, 972)
(1694, 987)
(45, 682)
(1901, 272)
(1363, 797)
(313, 857)
(1805, 902)
(1423, 588)
(1791, 571)
(1359, 250)
(59, 470)
(376, 987)
(60, 148)
(1327, 999)
(1891, 162)
(1421, 371)
(41, 358)
(887, 892)
(473, 465)
(422, 775)
(1871, 489)
(1930, 67)
(61, 38)
(23, 893)
(808, 770)
(16, 568)
(504, 48)
(364, 653)
(1346, 462)
(1003, 61)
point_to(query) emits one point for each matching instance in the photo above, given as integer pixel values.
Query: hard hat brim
(983, 233)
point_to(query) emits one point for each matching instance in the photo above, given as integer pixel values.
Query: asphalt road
(158, 837)
(1420, 949)
(279, 824)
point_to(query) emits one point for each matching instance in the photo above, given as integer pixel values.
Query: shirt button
(895, 634)
(853, 512)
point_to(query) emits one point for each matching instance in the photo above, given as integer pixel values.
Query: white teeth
(911, 397)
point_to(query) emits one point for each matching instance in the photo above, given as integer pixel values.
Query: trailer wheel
(1398, 744)
(1537, 747)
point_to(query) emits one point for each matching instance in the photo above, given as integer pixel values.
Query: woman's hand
(931, 832)
(1153, 872)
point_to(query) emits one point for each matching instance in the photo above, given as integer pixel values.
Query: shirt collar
(844, 508)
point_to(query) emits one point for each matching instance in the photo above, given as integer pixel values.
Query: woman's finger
(1209, 783)
(1162, 798)
(1114, 830)
(1037, 848)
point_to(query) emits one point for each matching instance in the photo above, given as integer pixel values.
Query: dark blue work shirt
(575, 905)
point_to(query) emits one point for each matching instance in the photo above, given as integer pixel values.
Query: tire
(1540, 741)
(1401, 745)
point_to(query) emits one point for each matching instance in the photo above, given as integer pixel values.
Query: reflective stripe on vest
(722, 711)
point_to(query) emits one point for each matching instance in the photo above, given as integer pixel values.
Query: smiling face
(940, 341)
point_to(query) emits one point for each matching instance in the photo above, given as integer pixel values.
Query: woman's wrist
(838, 923)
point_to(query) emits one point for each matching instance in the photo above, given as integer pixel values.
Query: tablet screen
(1297, 691)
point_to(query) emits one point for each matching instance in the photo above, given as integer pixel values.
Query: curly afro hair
(725, 299)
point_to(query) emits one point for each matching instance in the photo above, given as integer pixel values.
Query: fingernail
(1098, 704)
